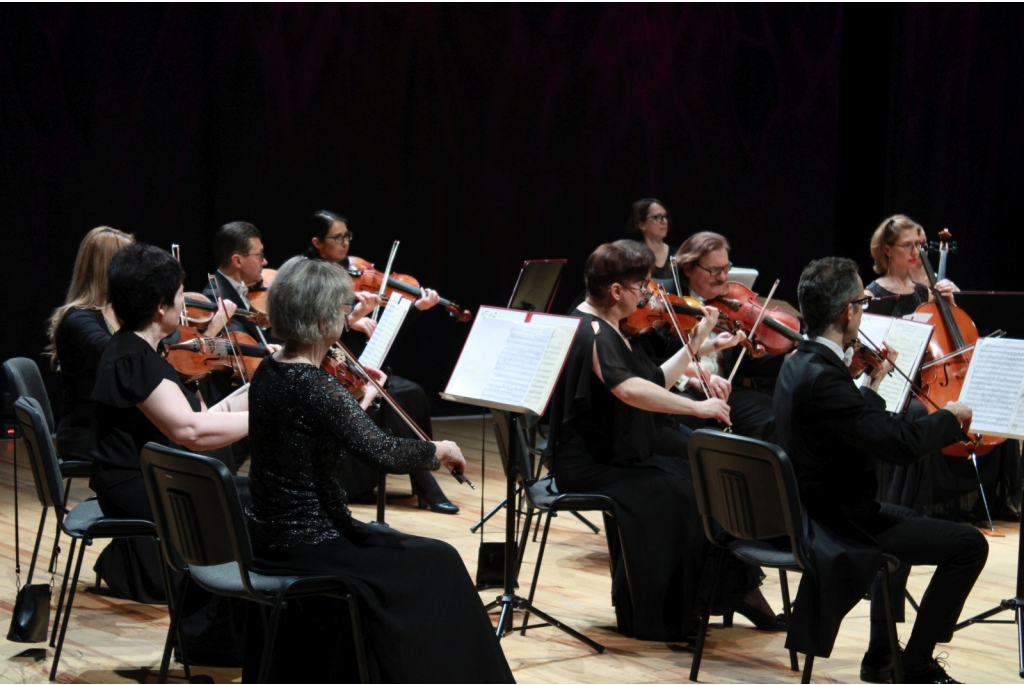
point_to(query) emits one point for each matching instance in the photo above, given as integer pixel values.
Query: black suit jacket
(833, 431)
(237, 324)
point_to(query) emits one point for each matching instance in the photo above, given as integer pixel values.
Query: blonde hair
(887, 233)
(695, 247)
(88, 287)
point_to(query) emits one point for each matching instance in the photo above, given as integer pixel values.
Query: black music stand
(537, 284)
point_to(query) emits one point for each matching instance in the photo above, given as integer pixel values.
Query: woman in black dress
(650, 219)
(139, 398)
(605, 439)
(79, 332)
(422, 618)
(894, 249)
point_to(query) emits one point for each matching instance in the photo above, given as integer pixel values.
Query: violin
(199, 309)
(195, 356)
(368, 279)
(257, 295)
(739, 310)
(338, 365)
(652, 313)
(866, 359)
(952, 341)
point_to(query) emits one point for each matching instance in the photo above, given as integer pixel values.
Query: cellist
(894, 249)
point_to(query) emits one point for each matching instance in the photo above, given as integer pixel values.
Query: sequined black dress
(422, 618)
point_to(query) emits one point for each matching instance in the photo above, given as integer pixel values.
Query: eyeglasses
(258, 255)
(340, 238)
(863, 301)
(715, 270)
(659, 218)
(910, 247)
(642, 288)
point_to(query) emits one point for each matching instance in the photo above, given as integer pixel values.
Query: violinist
(331, 240)
(415, 597)
(650, 219)
(139, 398)
(895, 250)
(704, 267)
(832, 432)
(605, 439)
(238, 249)
(79, 332)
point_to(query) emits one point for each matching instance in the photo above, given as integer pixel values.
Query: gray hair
(306, 298)
(826, 287)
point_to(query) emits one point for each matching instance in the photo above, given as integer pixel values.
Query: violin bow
(235, 351)
(401, 412)
(675, 274)
(384, 281)
(176, 253)
(753, 330)
(702, 378)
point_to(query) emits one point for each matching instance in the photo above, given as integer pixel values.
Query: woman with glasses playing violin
(894, 248)
(331, 239)
(649, 218)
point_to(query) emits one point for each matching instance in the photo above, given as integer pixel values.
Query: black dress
(422, 618)
(80, 340)
(601, 445)
(905, 304)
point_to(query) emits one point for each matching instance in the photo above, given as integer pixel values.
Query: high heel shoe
(442, 507)
(760, 619)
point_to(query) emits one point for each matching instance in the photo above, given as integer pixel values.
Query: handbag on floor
(30, 620)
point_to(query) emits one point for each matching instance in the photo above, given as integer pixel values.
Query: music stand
(537, 284)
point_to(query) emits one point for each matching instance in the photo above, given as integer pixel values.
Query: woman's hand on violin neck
(219, 320)
(368, 301)
(961, 411)
(450, 456)
(723, 341)
(364, 326)
(714, 409)
(428, 298)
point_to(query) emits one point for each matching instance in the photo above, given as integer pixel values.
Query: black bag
(30, 620)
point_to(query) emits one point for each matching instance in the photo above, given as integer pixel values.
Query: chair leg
(35, 549)
(794, 663)
(587, 523)
(268, 643)
(890, 619)
(524, 539)
(56, 536)
(536, 571)
(63, 592)
(357, 636)
(175, 603)
(705, 617)
(67, 611)
(808, 667)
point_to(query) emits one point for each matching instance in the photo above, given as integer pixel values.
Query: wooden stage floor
(111, 640)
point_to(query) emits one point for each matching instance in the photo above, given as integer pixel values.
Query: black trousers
(957, 550)
(750, 411)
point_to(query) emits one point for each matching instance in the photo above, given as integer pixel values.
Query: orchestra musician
(79, 331)
(894, 249)
(605, 439)
(331, 240)
(704, 267)
(139, 397)
(832, 432)
(650, 219)
(421, 614)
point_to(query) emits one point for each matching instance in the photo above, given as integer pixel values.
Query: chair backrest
(504, 435)
(196, 507)
(42, 455)
(23, 378)
(745, 489)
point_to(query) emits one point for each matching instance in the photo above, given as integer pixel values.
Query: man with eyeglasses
(704, 267)
(833, 432)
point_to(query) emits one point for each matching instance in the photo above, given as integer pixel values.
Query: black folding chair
(200, 522)
(748, 498)
(541, 495)
(83, 523)
(24, 379)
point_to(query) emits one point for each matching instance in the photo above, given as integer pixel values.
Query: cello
(950, 349)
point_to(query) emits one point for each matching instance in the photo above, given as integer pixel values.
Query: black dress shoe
(931, 672)
(442, 507)
(876, 668)
(760, 619)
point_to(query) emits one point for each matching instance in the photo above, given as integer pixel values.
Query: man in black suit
(832, 432)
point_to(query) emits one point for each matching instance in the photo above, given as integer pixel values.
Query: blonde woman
(895, 250)
(79, 331)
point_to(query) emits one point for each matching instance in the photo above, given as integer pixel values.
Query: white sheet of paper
(994, 387)
(384, 335)
(910, 340)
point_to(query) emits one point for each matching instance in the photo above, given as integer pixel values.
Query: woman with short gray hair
(415, 596)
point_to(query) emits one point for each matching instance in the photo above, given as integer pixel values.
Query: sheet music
(994, 387)
(384, 335)
(910, 340)
(523, 352)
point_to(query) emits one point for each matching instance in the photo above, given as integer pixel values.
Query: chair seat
(545, 495)
(761, 553)
(73, 468)
(87, 520)
(226, 579)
